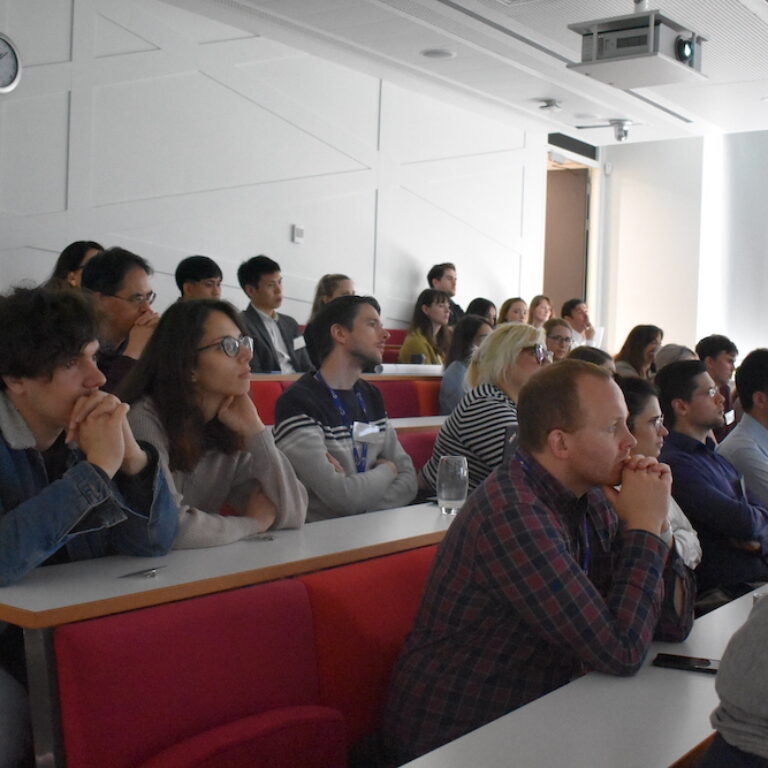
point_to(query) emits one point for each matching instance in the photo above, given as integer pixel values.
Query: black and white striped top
(475, 429)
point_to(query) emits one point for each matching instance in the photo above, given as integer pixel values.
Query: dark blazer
(264, 358)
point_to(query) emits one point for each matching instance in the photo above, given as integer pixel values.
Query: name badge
(299, 343)
(367, 433)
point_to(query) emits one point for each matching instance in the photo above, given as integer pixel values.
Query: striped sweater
(308, 425)
(475, 429)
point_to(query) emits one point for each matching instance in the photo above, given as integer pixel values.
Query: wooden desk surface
(59, 594)
(600, 721)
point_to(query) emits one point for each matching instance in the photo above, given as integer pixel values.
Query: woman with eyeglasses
(478, 425)
(559, 338)
(645, 422)
(189, 395)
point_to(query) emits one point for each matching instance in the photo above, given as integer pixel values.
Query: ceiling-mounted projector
(639, 50)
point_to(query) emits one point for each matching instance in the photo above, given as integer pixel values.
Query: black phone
(691, 663)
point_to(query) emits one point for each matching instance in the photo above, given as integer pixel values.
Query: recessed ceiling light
(438, 53)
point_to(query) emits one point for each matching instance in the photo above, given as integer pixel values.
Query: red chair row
(279, 675)
(402, 397)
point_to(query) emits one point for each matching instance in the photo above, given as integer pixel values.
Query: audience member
(513, 311)
(332, 424)
(671, 353)
(278, 346)
(645, 422)
(541, 577)
(118, 281)
(428, 336)
(485, 308)
(69, 266)
(539, 311)
(477, 426)
(576, 314)
(442, 277)
(719, 355)
(58, 502)
(636, 357)
(559, 338)
(733, 530)
(593, 355)
(746, 447)
(190, 399)
(330, 287)
(741, 719)
(198, 277)
(470, 332)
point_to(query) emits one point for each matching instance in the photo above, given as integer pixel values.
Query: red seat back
(428, 397)
(399, 398)
(419, 445)
(264, 395)
(134, 684)
(362, 613)
(397, 336)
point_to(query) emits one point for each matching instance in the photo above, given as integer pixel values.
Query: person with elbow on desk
(190, 399)
(59, 502)
(548, 571)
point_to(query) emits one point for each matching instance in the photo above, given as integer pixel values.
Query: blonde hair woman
(476, 427)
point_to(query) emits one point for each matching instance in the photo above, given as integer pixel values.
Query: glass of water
(452, 480)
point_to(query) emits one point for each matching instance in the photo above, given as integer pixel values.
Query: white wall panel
(186, 133)
(33, 154)
(42, 29)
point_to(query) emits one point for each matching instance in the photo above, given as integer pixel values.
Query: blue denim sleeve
(46, 517)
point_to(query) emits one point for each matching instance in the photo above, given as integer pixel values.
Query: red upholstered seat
(212, 673)
(309, 736)
(419, 445)
(362, 613)
(399, 398)
(391, 355)
(397, 336)
(264, 395)
(428, 397)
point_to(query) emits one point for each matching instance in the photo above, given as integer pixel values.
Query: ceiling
(514, 53)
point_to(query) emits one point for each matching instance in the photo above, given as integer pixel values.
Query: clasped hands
(99, 425)
(642, 502)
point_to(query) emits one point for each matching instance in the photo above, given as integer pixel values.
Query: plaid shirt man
(518, 604)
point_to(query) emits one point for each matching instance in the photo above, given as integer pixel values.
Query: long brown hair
(421, 322)
(164, 373)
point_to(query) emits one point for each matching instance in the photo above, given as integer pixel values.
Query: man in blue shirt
(746, 447)
(732, 526)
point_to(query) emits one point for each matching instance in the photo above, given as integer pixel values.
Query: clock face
(10, 65)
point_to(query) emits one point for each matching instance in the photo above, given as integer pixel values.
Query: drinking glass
(452, 479)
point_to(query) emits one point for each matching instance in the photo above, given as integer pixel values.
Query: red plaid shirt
(509, 613)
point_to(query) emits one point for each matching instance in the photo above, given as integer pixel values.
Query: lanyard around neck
(359, 456)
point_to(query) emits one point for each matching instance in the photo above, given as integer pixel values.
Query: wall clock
(10, 65)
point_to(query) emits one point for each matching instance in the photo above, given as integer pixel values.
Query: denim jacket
(83, 510)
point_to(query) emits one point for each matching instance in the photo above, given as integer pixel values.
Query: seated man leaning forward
(58, 503)
(332, 425)
(547, 573)
(732, 525)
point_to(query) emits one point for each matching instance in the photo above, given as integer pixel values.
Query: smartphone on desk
(691, 663)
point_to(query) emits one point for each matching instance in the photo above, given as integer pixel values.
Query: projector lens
(684, 49)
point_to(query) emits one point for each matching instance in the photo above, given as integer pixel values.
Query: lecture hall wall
(142, 125)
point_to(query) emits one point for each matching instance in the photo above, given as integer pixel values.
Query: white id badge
(729, 417)
(367, 433)
(299, 343)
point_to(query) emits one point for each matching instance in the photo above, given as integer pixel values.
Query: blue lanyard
(360, 458)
